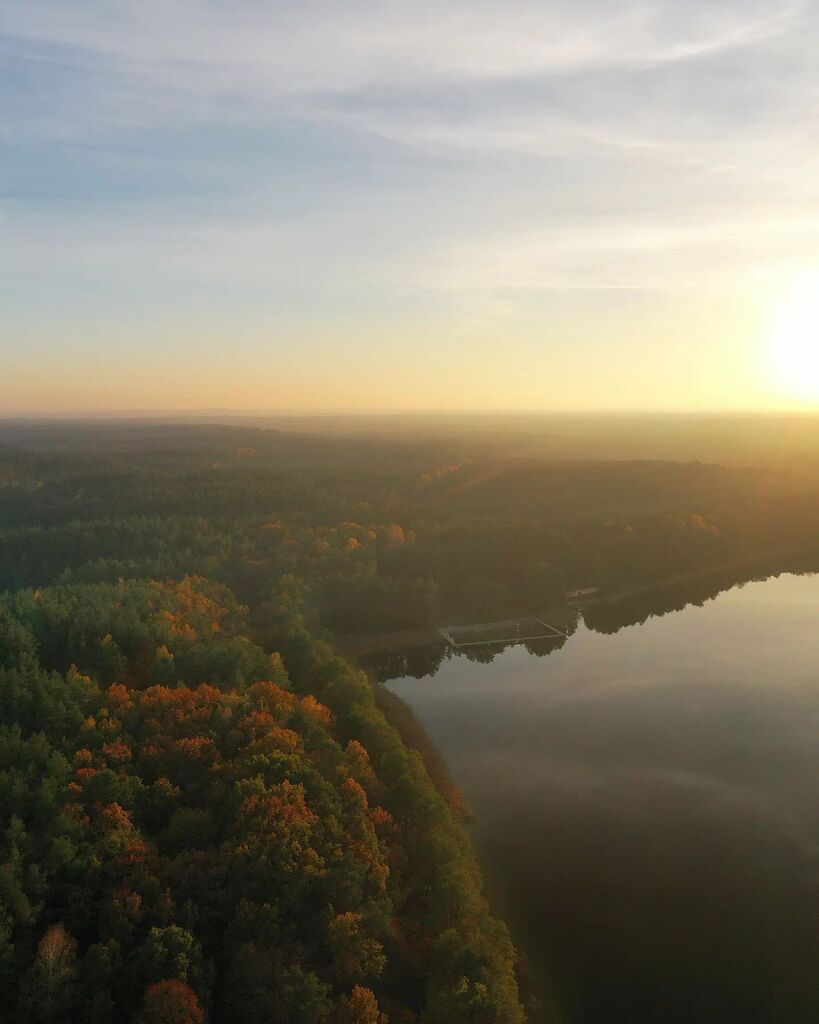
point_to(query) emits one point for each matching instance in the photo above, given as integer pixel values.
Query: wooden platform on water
(508, 631)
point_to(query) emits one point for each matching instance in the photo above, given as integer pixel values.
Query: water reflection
(412, 662)
(611, 617)
(418, 661)
(647, 802)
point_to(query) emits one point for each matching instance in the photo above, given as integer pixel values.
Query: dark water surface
(647, 807)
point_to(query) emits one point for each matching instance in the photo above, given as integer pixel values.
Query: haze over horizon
(409, 207)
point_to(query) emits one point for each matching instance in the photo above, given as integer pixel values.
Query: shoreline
(537, 987)
(354, 646)
(771, 564)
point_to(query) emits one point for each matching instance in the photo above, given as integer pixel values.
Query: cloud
(324, 156)
(254, 54)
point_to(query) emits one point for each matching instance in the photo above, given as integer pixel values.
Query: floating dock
(509, 631)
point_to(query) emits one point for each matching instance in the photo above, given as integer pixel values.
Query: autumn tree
(355, 954)
(46, 993)
(361, 1008)
(170, 1002)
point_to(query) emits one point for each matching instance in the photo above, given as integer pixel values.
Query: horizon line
(328, 413)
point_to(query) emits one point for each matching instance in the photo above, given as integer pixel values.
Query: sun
(794, 338)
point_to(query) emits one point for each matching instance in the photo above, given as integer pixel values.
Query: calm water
(647, 807)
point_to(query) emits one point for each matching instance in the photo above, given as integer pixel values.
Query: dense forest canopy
(205, 813)
(377, 533)
(177, 808)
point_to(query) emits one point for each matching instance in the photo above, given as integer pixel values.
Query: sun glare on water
(794, 339)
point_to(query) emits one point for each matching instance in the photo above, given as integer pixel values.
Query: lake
(646, 804)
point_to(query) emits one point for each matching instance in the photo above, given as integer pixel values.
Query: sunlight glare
(794, 339)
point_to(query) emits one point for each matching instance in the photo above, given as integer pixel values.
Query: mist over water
(647, 807)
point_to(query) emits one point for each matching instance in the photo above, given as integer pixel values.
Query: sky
(426, 205)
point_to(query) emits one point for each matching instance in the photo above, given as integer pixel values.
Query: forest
(207, 813)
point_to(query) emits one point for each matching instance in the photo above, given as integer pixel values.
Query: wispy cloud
(322, 156)
(252, 54)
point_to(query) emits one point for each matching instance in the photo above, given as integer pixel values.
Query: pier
(508, 631)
